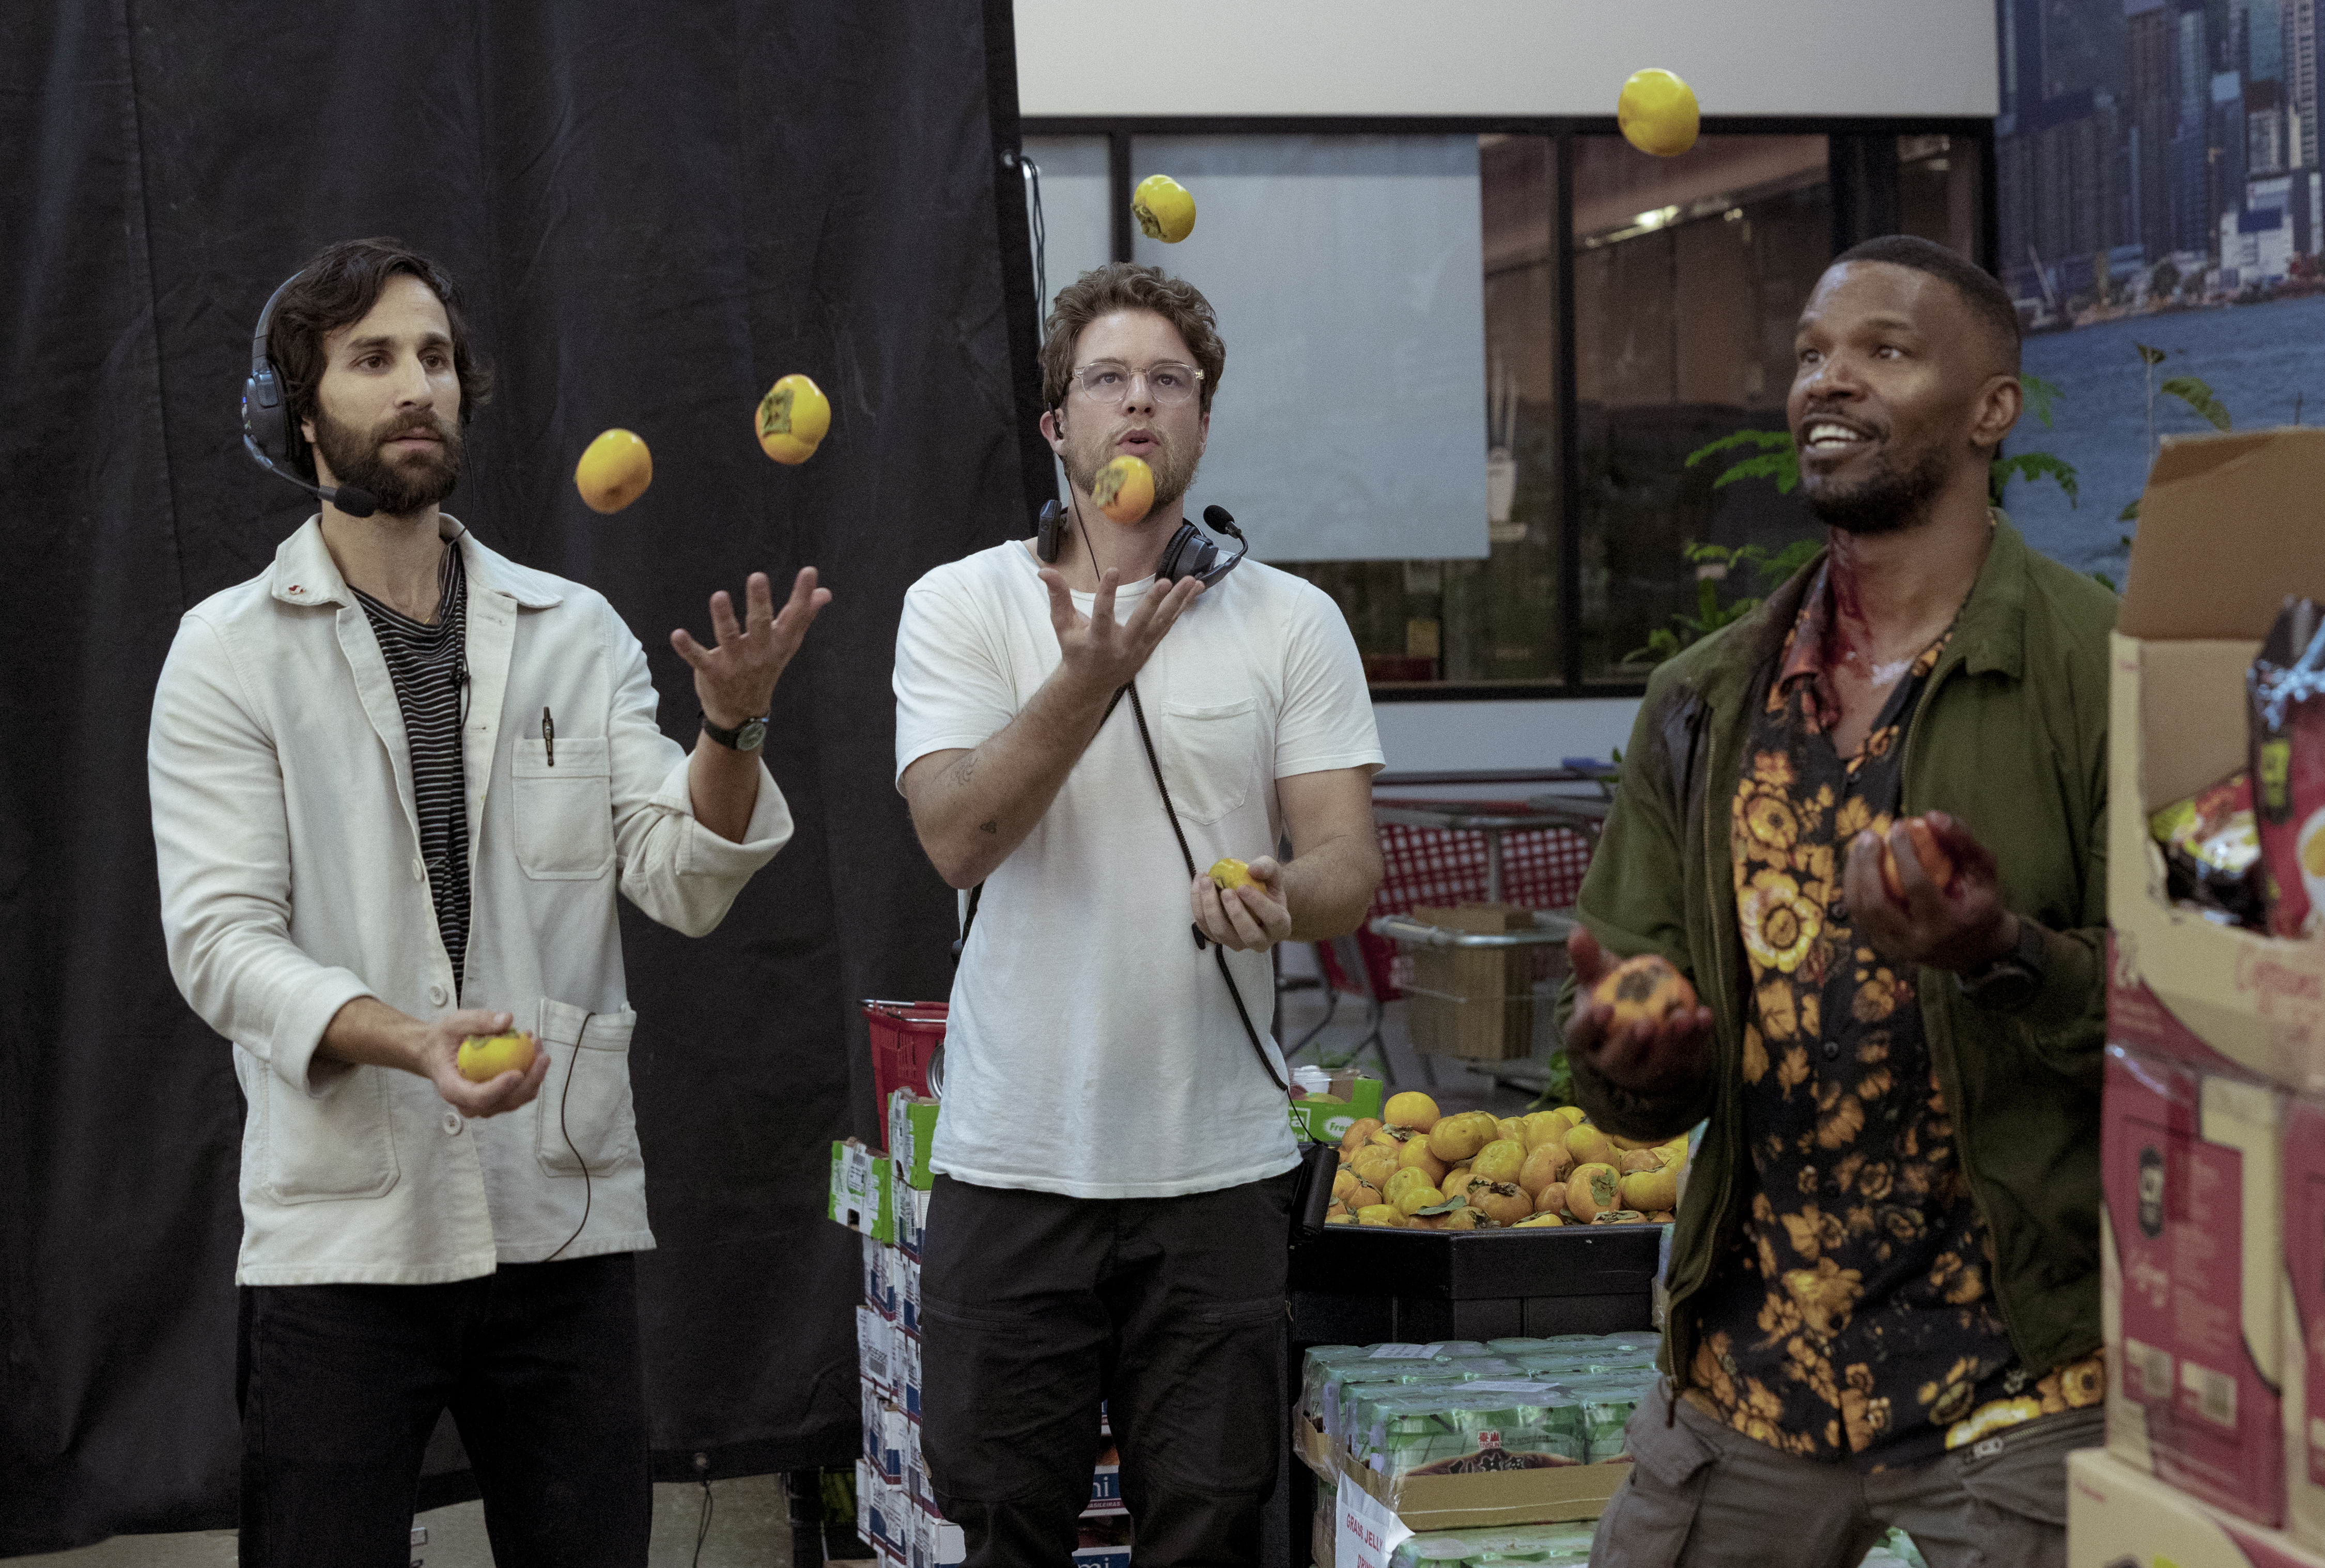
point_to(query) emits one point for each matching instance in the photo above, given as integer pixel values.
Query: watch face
(2011, 986)
(748, 737)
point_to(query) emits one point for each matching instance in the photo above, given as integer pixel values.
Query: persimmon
(1125, 489)
(1645, 990)
(1592, 1189)
(1936, 864)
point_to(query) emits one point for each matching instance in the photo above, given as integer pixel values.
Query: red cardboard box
(2192, 1167)
(2304, 1322)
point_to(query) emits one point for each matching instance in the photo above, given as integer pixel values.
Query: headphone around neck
(266, 419)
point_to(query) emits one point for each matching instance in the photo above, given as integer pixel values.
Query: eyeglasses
(1109, 381)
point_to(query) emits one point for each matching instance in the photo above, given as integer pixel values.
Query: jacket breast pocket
(563, 806)
(583, 1116)
(1208, 757)
(340, 1144)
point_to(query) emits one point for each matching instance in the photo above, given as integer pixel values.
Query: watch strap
(2010, 981)
(744, 736)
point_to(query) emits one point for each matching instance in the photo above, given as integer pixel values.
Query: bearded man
(1115, 1167)
(397, 780)
(1884, 1286)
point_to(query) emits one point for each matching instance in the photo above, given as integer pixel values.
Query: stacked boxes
(886, 1197)
(2213, 1236)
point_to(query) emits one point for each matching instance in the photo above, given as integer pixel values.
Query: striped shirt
(429, 664)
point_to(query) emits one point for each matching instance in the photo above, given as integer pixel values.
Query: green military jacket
(2010, 735)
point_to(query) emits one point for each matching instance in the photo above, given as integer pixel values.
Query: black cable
(1033, 173)
(562, 1095)
(703, 1529)
(1138, 711)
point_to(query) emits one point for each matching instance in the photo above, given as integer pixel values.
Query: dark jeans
(1035, 1307)
(342, 1384)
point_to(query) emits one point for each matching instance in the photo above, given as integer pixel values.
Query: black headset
(266, 419)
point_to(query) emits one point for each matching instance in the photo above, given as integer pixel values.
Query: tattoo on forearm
(992, 825)
(965, 769)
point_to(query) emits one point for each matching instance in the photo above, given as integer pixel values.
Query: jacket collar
(306, 575)
(1989, 635)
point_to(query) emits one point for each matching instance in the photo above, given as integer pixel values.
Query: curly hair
(1129, 287)
(338, 288)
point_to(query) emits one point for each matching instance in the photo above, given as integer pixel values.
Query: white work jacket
(293, 883)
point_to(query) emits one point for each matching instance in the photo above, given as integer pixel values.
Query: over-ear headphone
(266, 419)
(1188, 554)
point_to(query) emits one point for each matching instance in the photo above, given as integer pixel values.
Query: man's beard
(1887, 501)
(401, 486)
(1173, 466)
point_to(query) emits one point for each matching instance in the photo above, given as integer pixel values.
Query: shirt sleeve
(952, 689)
(678, 872)
(222, 851)
(1327, 720)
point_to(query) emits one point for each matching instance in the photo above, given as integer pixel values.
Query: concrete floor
(750, 1528)
(750, 1519)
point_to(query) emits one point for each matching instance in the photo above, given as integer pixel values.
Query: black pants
(1035, 1307)
(342, 1384)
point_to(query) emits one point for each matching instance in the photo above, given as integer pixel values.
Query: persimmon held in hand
(1646, 989)
(1936, 864)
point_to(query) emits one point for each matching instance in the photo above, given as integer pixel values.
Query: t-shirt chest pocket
(1209, 753)
(563, 809)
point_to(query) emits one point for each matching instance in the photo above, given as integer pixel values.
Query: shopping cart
(1532, 853)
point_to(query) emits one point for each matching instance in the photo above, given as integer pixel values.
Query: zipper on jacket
(1949, 1072)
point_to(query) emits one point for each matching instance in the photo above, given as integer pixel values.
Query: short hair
(1129, 287)
(336, 289)
(1986, 299)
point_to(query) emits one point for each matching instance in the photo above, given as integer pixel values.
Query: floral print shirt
(1853, 1320)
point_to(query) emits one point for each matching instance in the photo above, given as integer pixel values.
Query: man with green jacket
(1868, 821)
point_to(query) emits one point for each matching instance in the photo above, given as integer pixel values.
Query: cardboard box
(874, 1358)
(2304, 1323)
(2119, 1519)
(863, 1195)
(1456, 1502)
(905, 1270)
(912, 1130)
(1105, 1484)
(2228, 527)
(1474, 1002)
(2192, 1282)
(1347, 1099)
(905, 1353)
(912, 1220)
(882, 1287)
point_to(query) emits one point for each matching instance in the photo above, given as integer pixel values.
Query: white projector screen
(1347, 274)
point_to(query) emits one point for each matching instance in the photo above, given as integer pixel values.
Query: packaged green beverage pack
(1561, 1546)
(1473, 1428)
(1603, 1405)
(1557, 1364)
(1316, 1365)
(1343, 1384)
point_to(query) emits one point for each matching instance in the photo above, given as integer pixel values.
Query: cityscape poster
(2161, 211)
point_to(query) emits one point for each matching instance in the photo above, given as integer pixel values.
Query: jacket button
(437, 994)
(419, 869)
(452, 1123)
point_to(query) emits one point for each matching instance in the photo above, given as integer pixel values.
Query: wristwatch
(2009, 982)
(744, 736)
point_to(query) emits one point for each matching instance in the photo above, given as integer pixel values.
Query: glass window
(1350, 423)
(1077, 208)
(1937, 192)
(1476, 621)
(1689, 275)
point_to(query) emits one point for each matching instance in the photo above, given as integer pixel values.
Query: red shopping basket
(905, 1036)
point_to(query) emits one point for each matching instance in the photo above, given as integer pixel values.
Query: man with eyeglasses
(1115, 1167)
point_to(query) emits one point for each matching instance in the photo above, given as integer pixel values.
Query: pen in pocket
(548, 735)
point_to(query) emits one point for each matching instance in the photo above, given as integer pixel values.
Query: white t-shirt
(1091, 1049)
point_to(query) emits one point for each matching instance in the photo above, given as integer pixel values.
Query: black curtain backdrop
(656, 210)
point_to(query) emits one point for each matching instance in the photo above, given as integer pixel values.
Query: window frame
(1859, 211)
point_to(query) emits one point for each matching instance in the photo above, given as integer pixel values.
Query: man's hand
(1645, 1058)
(437, 1061)
(1960, 928)
(1248, 919)
(736, 681)
(1099, 655)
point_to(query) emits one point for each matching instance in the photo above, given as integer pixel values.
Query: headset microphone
(267, 420)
